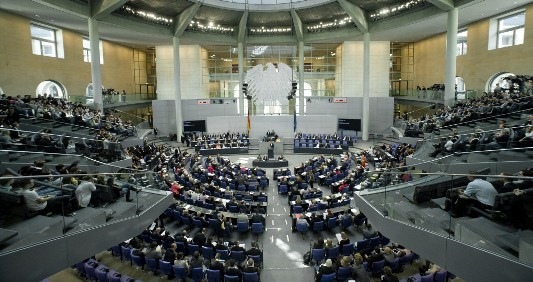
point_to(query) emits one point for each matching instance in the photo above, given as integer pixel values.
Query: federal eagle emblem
(270, 82)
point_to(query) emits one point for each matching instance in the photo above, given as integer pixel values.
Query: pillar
(96, 68)
(365, 120)
(301, 74)
(451, 53)
(177, 86)
(240, 52)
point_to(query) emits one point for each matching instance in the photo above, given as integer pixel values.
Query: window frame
(87, 51)
(513, 29)
(41, 40)
(462, 46)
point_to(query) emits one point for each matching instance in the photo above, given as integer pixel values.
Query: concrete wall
(21, 71)
(194, 79)
(480, 63)
(223, 117)
(351, 66)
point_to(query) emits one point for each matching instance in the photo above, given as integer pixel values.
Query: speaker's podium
(270, 153)
(270, 148)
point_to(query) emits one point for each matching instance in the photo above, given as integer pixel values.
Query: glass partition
(483, 204)
(42, 199)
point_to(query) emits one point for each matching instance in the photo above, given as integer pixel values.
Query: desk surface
(323, 212)
(270, 163)
(6, 234)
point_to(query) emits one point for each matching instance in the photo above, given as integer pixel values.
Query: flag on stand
(295, 118)
(248, 123)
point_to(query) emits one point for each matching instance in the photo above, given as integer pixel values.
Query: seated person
(232, 269)
(36, 203)
(216, 264)
(85, 190)
(181, 261)
(326, 268)
(479, 193)
(388, 276)
(250, 268)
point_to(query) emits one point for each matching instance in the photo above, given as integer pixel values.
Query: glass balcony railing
(41, 202)
(426, 198)
(433, 95)
(114, 99)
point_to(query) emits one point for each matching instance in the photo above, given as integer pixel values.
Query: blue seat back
(213, 275)
(328, 277)
(257, 227)
(228, 278)
(179, 271)
(318, 255)
(250, 277)
(334, 252)
(165, 267)
(197, 274)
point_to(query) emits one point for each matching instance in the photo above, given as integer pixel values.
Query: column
(366, 87)
(451, 53)
(240, 46)
(301, 74)
(177, 86)
(96, 68)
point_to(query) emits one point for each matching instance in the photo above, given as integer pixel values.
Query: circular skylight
(264, 5)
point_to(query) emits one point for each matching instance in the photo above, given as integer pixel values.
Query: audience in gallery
(487, 105)
(216, 140)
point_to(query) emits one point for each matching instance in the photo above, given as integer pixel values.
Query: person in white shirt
(84, 191)
(35, 202)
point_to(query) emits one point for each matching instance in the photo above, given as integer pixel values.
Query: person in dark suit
(196, 260)
(199, 238)
(232, 269)
(507, 184)
(216, 264)
(250, 267)
(388, 276)
(256, 218)
(170, 254)
(237, 247)
(254, 250)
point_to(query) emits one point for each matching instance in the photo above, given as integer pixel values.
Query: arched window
(308, 92)
(89, 93)
(236, 95)
(51, 88)
(499, 79)
(461, 86)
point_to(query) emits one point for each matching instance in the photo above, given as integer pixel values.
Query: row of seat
(94, 271)
(256, 228)
(196, 274)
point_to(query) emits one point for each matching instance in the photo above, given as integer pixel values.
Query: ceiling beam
(101, 9)
(182, 20)
(298, 26)
(357, 14)
(242, 26)
(445, 5)
(66, 6)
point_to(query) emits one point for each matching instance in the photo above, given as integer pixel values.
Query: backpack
(307, 258)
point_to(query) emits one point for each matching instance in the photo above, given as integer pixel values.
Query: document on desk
(186, 207)
(308, 214)
(338, 235)
(355, 211)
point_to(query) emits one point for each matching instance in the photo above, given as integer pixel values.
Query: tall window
(511, 30)
(43, 41)
(462, 42)
(87, 50)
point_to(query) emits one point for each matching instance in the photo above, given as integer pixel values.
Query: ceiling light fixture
(395, 9)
